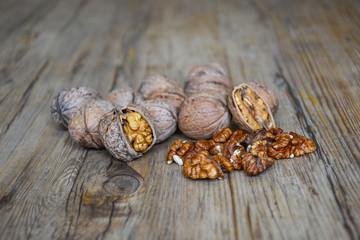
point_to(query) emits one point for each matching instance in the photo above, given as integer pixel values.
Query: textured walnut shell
(212, 68)
(164, 117)
(83, 126)
(113, 136)
(238, 116)
(156, 82)
(68, 102)
(202, 114)
(173, 96)
(214, 82)
(124, 96)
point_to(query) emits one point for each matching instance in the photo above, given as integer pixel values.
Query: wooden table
(307, 51)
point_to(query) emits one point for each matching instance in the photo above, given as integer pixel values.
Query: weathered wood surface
(308, 52)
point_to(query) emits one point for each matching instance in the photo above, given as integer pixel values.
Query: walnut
(127, 133)
(180, 151)
(212, 68)
(123, 96)
(156, 82)
(164, 118)
(254, 165)
(201, 166)
(290, 145)
(208, 77)
(250, 107)
(68, 102)
(173, 96)
(202, 114)
(83, 126)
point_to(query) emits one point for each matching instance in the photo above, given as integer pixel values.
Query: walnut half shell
(127, 133)
(252, 106)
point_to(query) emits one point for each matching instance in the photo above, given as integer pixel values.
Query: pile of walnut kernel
(251, 152)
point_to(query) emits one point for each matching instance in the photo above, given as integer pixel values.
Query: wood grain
(306, 51)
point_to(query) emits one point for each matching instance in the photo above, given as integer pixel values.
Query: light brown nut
(289, 145)
(202, 114)
(174, 96)
(164, 118)
(214, 82)
(124, 96)
(212, 68)
(127, 133)
(83, 126)
(254, 165)
(201, 166)
(157, 82)
(250, 111)
(68, 102)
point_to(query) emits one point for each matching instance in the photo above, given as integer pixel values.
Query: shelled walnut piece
(228, 149)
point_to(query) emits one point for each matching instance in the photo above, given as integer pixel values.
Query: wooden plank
(51, 188)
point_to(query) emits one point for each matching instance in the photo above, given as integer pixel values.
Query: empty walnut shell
(156, 82)
(68, 102)
(83, 126)
(124, 96)
(250, 106)
(114, 136)
(164, 118)
(173, 96)
(202, 114)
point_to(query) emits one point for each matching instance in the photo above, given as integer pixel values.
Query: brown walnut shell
(260, 92)
(124, 96)
(114, 137)
(212, 68)
(202, 114)
(83, 127)
(156, 82)
(164, 117)
(68, 102)
(173, 96)
(214, 82)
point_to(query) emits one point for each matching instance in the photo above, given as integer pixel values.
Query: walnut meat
(124, 96)
(127, 133)
(201, 166)
(68, 102)
(164, 117)
(202, 114)
(83, 126)
(250, 108)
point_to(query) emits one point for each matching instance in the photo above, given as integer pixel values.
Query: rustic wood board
(308, 52)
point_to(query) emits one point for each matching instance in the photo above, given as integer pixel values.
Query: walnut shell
(202, 114)
(212, 68)
(124, 96)
(113, 136)
(83, 126)
(239, 117)
(173, 96)
(68, 102)
(164, 117)
(214, 82)
(156, 82)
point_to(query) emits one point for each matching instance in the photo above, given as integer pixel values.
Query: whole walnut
(252, 106)
(203, 113)
(161, 88)
(124, 96)
(68, 102)
(208, 77)
(156, 82)
(83, 126)
(127, 133)
(164, 118)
